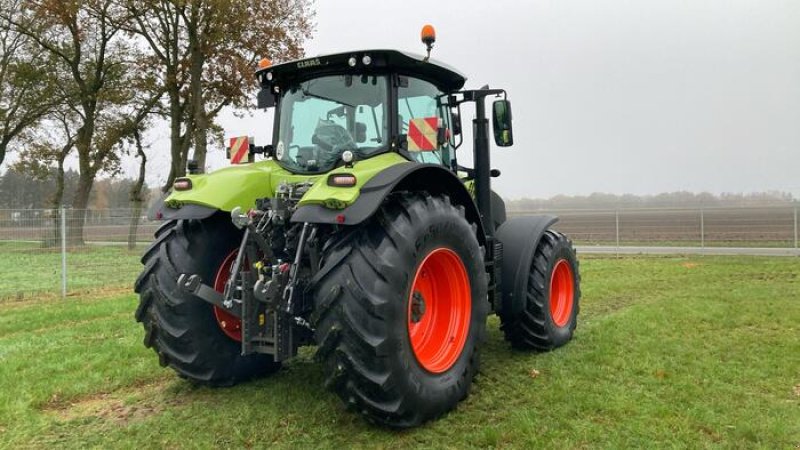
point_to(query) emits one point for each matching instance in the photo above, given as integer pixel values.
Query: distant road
(604, 249)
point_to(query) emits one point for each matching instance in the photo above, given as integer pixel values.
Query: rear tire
(181, 328)
(550, 314)
(374, 318)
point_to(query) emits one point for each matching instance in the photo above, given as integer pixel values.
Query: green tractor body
(359, 232)
(241, 185)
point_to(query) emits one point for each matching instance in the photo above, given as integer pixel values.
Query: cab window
(420, 115)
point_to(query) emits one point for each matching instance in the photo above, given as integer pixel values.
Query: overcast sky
(608, 96)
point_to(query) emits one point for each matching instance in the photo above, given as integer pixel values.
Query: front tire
(183, 330)
(400, 311)
(552, 303)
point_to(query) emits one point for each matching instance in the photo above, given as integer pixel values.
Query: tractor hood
(241, 185)
(233, 186)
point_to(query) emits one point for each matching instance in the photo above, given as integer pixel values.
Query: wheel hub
(439, 310)
(561, 293)
(228, 323)
(417, 306)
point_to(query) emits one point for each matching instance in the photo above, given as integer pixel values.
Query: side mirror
(501, 120)
(266, 99)
(455, 120)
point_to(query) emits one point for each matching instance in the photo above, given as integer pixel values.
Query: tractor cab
(335, 109)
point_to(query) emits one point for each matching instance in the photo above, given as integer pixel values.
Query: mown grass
(29, 269)
(670, 352)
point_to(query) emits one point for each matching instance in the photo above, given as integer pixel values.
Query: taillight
(182, 184)
(342, 180)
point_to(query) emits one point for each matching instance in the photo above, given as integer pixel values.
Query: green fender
(241, 185)
(430, 178)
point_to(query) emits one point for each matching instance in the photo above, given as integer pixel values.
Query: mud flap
(519, 236)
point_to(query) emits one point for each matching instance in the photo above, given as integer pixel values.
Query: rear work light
(342, 180)
(182, 184)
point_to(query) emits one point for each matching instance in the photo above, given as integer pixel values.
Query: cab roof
(443, 76)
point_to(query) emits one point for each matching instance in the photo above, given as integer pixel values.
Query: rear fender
(520, 236)
(431, 178)
(160, 211)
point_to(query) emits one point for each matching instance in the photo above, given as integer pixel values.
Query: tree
(28, 91)
(46, 147)
(137, 191)
(206, 52)
(87, 43)
(227, 37)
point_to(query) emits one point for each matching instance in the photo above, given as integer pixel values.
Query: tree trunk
(77, 217)
(136, 192)
(179, 139)
(200, 135)
(134, 228)
(3, 149)
(56, 202)
(175, 117)
(79, 206)
(196, 83)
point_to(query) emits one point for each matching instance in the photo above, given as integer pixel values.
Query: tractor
(358, 231)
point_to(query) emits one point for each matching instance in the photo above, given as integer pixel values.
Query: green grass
(670, 352)
(27, 268)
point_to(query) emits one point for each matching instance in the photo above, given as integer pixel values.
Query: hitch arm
(193, 284)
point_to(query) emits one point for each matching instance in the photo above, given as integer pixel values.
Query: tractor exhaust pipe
(482, 161)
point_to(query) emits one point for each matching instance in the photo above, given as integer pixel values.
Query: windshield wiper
(322, 97)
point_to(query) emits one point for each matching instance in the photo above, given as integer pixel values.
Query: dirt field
(764, 227)
(767, 227)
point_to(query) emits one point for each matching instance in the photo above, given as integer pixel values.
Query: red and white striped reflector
(240, 147)
(422, 134)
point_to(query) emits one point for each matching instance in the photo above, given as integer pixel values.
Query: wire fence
(63, 252)
(766, 227)
(68, 252)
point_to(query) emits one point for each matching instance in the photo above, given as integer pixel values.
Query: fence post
(63, 252)
(795, 227)
(702, 230)
(616, 227)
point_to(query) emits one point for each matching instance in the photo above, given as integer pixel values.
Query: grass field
(670, 352)
(29, 269)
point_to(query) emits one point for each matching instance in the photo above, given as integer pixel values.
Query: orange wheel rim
(228, 323)
(439, 310)
(562, 289)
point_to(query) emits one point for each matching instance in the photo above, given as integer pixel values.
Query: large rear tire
(552, 303)
(401, 311)
(186, 332)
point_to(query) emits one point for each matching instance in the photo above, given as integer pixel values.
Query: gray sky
(608, 96)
